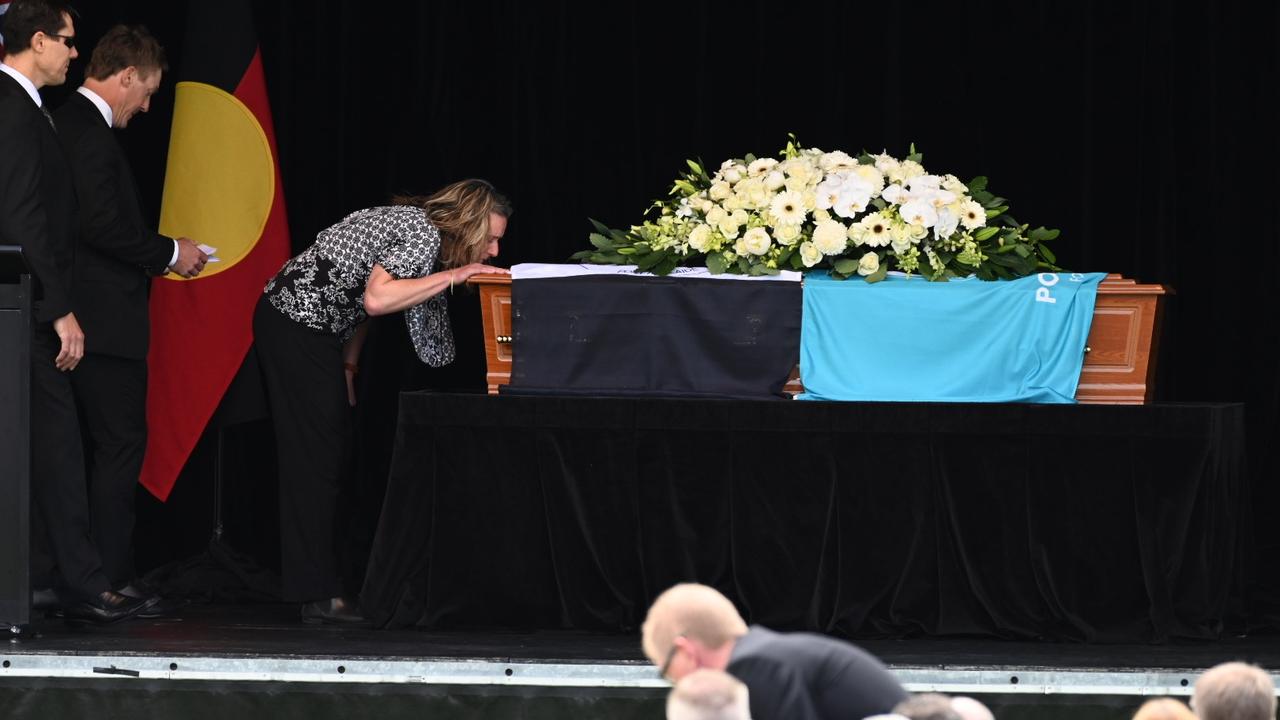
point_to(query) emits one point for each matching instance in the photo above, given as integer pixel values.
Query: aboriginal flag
(221, 189)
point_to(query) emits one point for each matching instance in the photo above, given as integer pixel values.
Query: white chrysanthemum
(761, 167)
(829, 237)
(868, 264)
(972, 215)
(836, 160)
(810, 255)
(720, 190)
(757, 241)
(919, 212)
(788, 208)
(775, 180)
(872, 177)
(700, 238)
(786, 234)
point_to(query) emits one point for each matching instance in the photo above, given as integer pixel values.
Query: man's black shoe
(108, 607)
(333, 610)
(163, 606)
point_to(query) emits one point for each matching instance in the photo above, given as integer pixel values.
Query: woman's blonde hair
(460, 212)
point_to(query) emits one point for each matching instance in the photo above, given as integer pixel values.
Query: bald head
(708, 695)
(1164, 709)
(692, 611)
(969, 709)
(1234, 691)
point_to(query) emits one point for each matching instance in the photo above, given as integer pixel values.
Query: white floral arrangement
(808, 208)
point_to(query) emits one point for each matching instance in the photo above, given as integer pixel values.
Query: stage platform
(214, 655)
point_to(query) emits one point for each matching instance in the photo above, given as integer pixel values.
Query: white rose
(700, 238)
(733, 174)
(728, 228)
(716, 216)
(868, 264)
(774, 180)
(886, 163)
(787, 234)
(829, 237)
(757, 241)
(720, 190)
(821, 214)
(810, 255)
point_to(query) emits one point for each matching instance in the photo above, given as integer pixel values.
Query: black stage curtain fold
(1094, 523)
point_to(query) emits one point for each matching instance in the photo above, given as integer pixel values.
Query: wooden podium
(1119, 362)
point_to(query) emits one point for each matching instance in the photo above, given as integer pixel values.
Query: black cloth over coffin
(653, 336)
(1097, 523)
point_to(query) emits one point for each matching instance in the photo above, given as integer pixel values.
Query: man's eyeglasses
(671, 655)
(68, 40)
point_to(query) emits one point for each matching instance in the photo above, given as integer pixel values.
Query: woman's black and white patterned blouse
(323, 287)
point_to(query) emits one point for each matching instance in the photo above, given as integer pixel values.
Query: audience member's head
(708, 695)
(927, 706)
(1234, 691)
(969, 709)
(690, 626)
(1164, 709)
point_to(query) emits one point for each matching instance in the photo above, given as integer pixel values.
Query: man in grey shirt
(789, 675)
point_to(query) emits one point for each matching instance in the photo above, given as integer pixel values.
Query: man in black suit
(115, 256)
(798, 676)
(38, 211)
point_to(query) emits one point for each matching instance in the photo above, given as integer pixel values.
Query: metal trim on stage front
(1004, 679)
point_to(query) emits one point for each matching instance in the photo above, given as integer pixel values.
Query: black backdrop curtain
(1141, 129)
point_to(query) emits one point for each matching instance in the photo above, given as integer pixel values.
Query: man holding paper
(116, 254)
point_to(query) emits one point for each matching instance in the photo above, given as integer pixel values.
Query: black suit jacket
(116, 249)
(37, 199)
(801, 676)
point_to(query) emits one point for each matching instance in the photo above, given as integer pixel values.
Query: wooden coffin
(1120, 354)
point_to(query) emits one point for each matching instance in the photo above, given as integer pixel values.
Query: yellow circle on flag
(219, 182)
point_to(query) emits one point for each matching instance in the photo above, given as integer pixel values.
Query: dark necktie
(44, 110)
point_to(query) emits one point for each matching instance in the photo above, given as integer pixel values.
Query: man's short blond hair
(707, 694)
(1164, 709)
(694, 611)
(1234, 691)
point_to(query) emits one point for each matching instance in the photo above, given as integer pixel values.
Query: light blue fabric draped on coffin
(908, 339)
